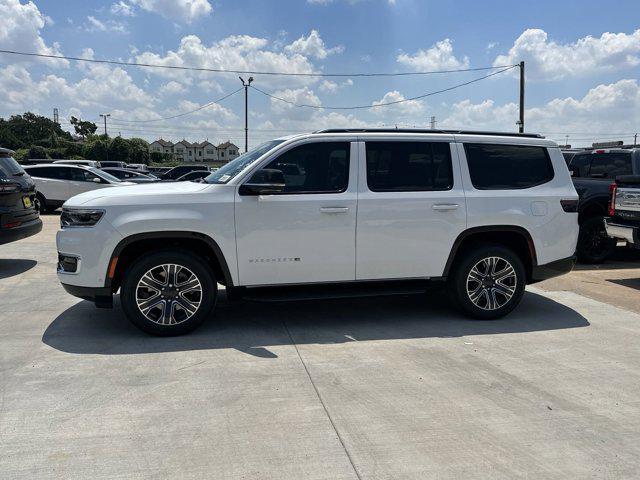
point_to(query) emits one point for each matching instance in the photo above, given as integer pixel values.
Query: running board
(336, 290)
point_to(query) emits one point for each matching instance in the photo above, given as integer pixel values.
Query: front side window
(507, 167)
(321, 167)
(408, 166)
(610, 165)
(231, 169)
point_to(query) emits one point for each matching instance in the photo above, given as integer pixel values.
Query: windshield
(233, 168)
(105, 175)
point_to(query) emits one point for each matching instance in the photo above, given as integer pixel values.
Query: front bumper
(553, 269)
(101, 296)
(622, 232)
(22, 231)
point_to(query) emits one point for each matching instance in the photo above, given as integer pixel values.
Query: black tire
(41, 203)
(495, 291)
(594, 246)
(181, 320)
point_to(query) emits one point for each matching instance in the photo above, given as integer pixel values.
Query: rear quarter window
(9, 167)
(507, 167)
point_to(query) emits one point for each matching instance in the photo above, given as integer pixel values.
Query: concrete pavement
(377, 388)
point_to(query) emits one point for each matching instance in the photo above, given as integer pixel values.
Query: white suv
(486, 213)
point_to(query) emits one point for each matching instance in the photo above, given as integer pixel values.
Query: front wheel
(488, 282)
(168, 293)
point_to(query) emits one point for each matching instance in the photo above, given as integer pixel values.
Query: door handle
(445, 206)
(334, 209)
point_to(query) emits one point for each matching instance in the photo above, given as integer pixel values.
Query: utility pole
(246, 111)
(56, 117)
(105, 115)
(520, 122)
(635, 140)
(566, 140)
(433, 122)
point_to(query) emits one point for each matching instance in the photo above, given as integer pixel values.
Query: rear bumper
(101, 296)
(622, 232)
(23, 231)
(553, 269)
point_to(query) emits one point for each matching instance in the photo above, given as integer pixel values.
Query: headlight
(80, 217)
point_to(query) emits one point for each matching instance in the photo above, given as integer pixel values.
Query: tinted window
(80, 175)
(118, 173)
(408, 166)
(53, 173)
(610, 165)
(321, 167)
(231, 169)
(503, 167)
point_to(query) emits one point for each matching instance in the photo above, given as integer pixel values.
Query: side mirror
(574, 172)
(96, 180)
(264, 182)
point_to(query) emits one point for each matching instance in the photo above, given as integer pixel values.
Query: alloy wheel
(168, 294)
(491, 283)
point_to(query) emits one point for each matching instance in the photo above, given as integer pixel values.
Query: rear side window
(53, 173)
(506, 167)
(9, 167)
(610, 165)
(408, 166)
(321, 167)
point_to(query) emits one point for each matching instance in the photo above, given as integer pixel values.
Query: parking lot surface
(379, 388)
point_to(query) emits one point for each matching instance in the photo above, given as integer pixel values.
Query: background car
(112, 164)
(56, 183)
(180, 170)
(196, 175)
(86, 163)
(158, 171)
(127, 175)
(18, 215)
(138, 167)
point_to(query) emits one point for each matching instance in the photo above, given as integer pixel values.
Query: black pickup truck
(593, 172)
(623, 222)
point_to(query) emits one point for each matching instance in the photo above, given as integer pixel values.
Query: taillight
(9, 187)
(569, 205)
(613, 188)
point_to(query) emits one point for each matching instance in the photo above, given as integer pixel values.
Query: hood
(136, 194)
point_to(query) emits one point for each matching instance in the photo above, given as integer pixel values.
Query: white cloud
(439, 57)
(329, 86)
(605, 108)
(172, 88)
(122, 8)
(548, 60)
(95, 25)
(298, 96)
(407, 108)
(352, 2)
(185, 11)
(239, 52)
(312, 46)
(20, 30)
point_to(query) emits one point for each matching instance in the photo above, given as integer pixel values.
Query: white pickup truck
(623, 222)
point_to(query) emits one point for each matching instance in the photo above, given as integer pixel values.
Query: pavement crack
(322, 402)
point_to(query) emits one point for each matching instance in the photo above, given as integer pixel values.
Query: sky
(582, 65)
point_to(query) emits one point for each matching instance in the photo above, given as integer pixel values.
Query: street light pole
(521, 120)
(246, 111)
(105, 115)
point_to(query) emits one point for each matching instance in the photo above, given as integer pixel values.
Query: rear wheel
(168, 293)
(594, 245)
(488, 282)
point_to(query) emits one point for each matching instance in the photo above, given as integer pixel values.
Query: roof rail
(418, 130)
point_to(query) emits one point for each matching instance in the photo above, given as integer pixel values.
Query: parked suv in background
(18, 215)
(623, 222)
(56, 183)
(487, 213)
(180, 170)
(592, 173)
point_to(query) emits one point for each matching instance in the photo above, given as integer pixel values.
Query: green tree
(98, 150)
(119, 149)
(138, 151)
(83, 127)
(36, 151)
(34, 129)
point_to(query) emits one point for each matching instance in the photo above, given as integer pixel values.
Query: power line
(249, 72)
(360, 107)
(183, 113)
